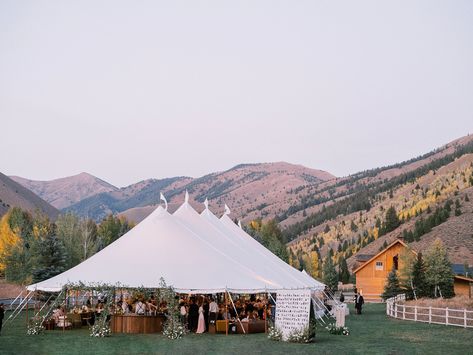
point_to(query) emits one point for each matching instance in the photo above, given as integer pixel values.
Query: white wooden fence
(446, 316)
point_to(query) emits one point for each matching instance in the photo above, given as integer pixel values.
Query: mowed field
(371, 333)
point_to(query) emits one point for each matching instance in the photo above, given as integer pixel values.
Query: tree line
(419, 276)
(34, 248)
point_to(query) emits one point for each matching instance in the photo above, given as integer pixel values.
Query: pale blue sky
(128, 90)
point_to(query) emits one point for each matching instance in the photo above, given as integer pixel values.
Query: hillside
(252, 191)
(143, 193)
(351, 223)
(63, 192)
(13, 194)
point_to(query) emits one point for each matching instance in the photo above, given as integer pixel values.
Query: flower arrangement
(100, 330)
(35, 327)
(333, 329)
(274, 333)
(303, 335)
(173, 328)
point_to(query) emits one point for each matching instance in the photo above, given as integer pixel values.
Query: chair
(221, 326)
(63, 323)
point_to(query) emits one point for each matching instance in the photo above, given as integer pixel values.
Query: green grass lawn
(371, 333)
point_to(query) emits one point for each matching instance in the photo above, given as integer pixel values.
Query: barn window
(396, 262)
(379, 265)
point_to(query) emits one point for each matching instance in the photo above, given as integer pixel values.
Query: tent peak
(186, 197)
(162, 198)
(227, 210)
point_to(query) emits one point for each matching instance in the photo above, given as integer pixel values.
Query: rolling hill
(63, 192)
(12, 194)
(252, 190)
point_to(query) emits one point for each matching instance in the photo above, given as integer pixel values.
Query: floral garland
(172, 327)
(35, 327)
(333, 329)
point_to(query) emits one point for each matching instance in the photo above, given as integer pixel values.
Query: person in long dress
(201, 322)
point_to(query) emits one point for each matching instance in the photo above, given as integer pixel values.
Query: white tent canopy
(193, 253)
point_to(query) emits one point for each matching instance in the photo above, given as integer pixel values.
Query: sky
(130, 90)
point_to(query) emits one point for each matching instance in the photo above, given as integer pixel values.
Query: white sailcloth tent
(193, 253)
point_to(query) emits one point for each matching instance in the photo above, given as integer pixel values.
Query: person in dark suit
(359, 301)
(193, 317)
(2, 314)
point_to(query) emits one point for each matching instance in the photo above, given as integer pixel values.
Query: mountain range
(316, 210)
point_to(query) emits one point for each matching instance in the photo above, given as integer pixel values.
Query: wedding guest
(213, 310)
(201, 321)
(140, 307)
(193, 315)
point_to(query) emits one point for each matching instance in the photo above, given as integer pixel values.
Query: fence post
(395, 310)
(446, 316)
(430, 314)
(403, 311)
(415, 313)
(464, 318)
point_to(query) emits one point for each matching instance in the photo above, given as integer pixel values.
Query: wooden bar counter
(132, 323)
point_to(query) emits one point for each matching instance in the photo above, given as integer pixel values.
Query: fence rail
(432, 315)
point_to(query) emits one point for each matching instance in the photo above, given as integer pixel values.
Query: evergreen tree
(17, 265)
(392, 287)
(418, 277)
(391, 221)
(353, 227)
(51, 259)
(344, 274)
(69, 231)
(438, 272)
(269, 234)
(112, 228)
(330, 274)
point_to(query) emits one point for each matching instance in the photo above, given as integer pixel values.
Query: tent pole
(237, 315)
(226, 313)
(27, 301)
(266, 314)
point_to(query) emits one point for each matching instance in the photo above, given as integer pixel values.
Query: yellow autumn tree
(8, 239)
(315, 264)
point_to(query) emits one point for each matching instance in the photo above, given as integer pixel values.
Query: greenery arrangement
(172, 327)
(274, 333)
(333, 329)
(304, 335)
(100, 330)
(35, 326)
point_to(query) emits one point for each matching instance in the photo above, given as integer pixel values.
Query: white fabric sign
(292, 311)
